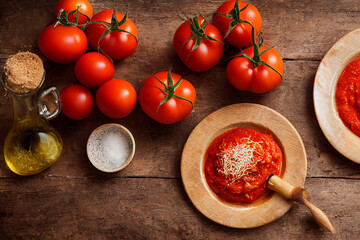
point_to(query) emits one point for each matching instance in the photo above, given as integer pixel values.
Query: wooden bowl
(243, 115)
(95, 144)
(330, 68)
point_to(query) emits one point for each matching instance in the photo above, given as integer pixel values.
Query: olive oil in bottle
(31, 146)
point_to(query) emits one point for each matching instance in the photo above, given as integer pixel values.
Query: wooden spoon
(299, 195)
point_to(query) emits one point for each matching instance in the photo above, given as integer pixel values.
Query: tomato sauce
(347, 96)
(226, 157)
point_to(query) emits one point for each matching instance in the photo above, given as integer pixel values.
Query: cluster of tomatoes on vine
(111, 36)
(165, 96)
(257, 68)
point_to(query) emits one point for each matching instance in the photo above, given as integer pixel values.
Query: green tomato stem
(169, 90)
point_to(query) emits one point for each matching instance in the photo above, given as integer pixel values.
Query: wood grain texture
(150, 208)
(315, 26)
(73, 200)
(301, 196)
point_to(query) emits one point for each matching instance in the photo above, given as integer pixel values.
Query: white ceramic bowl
(98, 153)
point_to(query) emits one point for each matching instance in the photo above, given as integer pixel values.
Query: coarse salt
(115, 150)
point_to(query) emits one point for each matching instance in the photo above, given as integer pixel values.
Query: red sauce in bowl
(239, 162)
(347, 96)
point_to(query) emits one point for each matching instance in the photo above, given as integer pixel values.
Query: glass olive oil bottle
(32, 144)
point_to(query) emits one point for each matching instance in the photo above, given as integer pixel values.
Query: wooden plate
(243, 115)
(330, 68)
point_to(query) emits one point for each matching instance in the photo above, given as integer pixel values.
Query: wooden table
(73, 200)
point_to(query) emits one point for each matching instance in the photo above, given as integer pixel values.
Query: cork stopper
(24, 72)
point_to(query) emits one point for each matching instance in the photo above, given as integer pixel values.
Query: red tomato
(153, 93)
(243, 76)
(117, 45)
(70, 5)
(77, 102)
(240, 35)
(62, 44)
(93, 69)
(116, 98)
(207, 54)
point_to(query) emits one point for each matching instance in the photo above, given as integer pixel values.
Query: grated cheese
(236, 162)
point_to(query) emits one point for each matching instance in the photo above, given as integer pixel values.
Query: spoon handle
(299, 195)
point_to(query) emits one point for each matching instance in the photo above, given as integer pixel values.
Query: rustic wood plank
(146, 200)
(293, 98)
(312, 31)
(116, 208)
(159, 147)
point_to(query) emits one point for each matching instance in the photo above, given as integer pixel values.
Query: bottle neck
(25, 106)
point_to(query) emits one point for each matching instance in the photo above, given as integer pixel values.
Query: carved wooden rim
(327, 75)
(192, 164)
